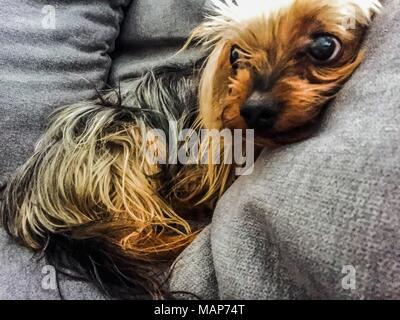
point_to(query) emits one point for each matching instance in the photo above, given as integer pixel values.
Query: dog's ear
(205, 35)
(218, 22)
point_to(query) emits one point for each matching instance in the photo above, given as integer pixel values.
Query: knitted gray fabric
(43, 68)
(311, 209)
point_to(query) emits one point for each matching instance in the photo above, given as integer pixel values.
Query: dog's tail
(89, 200)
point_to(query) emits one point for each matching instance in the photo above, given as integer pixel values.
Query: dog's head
(275, 63)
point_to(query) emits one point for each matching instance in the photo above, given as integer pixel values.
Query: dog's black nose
(259, 112)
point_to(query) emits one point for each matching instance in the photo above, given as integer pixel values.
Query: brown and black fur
(88, 198)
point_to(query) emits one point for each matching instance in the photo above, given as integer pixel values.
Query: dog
(91, 201)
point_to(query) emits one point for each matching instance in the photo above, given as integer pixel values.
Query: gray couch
(309, 212)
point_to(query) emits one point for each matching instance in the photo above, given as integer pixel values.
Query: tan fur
(273, 44)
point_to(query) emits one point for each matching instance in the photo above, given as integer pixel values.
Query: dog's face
(276, 63)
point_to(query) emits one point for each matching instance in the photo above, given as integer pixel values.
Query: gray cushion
(42, 69)
(310, 209)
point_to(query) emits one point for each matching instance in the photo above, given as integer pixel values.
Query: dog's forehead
(241, 11)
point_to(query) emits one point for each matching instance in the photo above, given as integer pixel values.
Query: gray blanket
(320, 219)
(49, 56)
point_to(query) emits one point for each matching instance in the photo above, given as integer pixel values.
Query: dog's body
(90, 199)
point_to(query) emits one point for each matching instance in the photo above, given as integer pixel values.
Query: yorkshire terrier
(93, 203)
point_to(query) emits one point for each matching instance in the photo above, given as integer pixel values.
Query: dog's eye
(325, 48)
(235, 56)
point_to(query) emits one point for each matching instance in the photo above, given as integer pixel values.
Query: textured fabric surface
(151, 35)
(43, 66)
(310, 209)
(24, 277)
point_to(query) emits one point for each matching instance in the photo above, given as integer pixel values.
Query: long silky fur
(89, 199)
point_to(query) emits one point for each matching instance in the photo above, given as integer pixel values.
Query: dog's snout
(260, 111)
